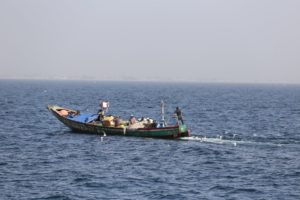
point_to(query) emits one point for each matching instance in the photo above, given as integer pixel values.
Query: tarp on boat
(84, 118)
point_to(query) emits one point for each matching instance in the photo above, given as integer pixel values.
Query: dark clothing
(117, 121)
(100, 115)
(179, 114)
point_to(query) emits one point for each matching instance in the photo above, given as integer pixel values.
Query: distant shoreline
(152, 81)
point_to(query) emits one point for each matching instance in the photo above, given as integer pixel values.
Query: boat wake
(220, 140)
(217, 140)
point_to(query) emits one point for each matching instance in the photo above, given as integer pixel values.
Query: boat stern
(184, 131)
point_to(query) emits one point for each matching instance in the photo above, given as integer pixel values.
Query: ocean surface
(245, 142)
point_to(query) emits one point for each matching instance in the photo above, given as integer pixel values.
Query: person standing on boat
(103, 108)
(178, 114)
(100, 115)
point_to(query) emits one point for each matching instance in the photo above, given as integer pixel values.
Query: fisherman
(100, 115)
(132, 120)
(117, 121)
(103, 108)
(178, 114)
(104, 105)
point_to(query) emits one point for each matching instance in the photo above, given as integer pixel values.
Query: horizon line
(150, 81)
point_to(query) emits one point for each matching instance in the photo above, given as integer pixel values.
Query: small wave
(221, 187)
(246, 190)
(3, 163)
(95, 185)
(56, 197)
(81, 179)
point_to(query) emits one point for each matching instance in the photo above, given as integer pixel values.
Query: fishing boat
(90, 123)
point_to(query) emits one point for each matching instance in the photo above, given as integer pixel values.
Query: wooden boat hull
(169, 132)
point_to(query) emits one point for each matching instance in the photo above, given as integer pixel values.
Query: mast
(162, 111)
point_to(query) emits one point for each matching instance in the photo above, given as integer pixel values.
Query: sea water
(245, 142)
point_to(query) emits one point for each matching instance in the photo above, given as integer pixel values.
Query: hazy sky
(202, 40)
